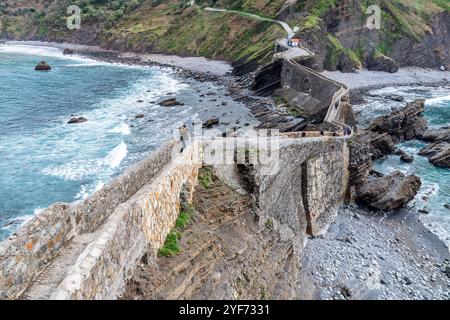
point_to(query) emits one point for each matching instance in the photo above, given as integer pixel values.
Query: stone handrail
(26, 253)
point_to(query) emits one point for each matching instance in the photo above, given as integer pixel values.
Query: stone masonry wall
(298, 200)
(302, 197)
(311, 184)
(140, 223)
(26, 253)
(295, 76)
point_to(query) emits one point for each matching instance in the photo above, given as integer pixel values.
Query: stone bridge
(88, 250)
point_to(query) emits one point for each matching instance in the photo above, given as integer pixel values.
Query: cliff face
(412, 32)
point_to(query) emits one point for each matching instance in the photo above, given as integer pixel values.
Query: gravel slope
(366, 256)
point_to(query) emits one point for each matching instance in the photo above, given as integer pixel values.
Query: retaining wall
(27, 252)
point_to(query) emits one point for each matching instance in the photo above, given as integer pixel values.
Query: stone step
(47, 282)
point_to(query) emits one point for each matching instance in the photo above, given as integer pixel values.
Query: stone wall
(303, 195)
(27, 252)
(298, 199)
(141, 223)
(310, 186)
(303, 79)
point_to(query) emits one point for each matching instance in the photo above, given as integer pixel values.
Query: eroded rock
(438, 153)
(391, 192)
(171, 102)
(382, 63)
(42, 66)
(75, 120)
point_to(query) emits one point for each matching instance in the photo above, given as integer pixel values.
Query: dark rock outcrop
(442, 134)
(210, 122)
(395, 97)
(391, 192)
(171, 102)
(75, 120)
(382, 63)
(407, 158)
(268, 79)
(438, 153)
(380, 144)
(360, 161)
(68, 51)
(404, 124)
(42, 66)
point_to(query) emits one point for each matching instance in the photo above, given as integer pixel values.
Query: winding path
(291, 52)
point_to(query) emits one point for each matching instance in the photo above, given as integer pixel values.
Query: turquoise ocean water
(44, 160)
(435, 191)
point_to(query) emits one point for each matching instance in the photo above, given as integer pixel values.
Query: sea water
(435, 190)
(44, 160)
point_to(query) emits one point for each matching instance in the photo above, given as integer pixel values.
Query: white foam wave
(115, 156)
(438, 100)
(122, 128)
(87, 190)
(42, 51)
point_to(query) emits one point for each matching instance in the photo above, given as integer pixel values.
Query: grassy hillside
(173, 26)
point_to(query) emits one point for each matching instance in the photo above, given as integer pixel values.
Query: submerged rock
(75, 120)
(42, 66)
(407, 158)
(171, 102)
(67, 51)
(391, 192)
(395, 97)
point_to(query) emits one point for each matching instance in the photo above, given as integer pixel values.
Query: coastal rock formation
(382, 63)
(68, 51)
(438, 153)
(441, 134)
(360, 161)
(42, 66)
(395, 97)
(404, 124)
(211, 122)
(171, 102)
(268, 79)
(380, 144)
(75, 120)
(387, 193)
(407, 158)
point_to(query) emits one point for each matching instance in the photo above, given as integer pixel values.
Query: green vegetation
(171, 245)
(336, 49)
(185, 218)
(206, 177)
(316, 13)
(269, 224)
(173, 26)
(291, 110)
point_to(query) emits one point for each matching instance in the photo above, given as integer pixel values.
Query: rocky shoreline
(400, 257)
(367, 255)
